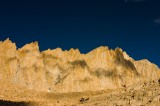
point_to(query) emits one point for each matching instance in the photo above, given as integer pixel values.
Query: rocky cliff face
(70, 71)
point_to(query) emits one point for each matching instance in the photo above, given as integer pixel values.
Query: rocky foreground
(103, 76)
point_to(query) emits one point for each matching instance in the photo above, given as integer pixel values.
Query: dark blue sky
(133, 25)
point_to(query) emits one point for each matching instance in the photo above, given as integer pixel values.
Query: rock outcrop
(70, 71)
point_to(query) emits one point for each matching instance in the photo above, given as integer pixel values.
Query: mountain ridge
(64, 71)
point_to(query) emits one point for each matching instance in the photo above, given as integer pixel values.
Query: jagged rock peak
(8, 42)
(30, 46)
(7, 48)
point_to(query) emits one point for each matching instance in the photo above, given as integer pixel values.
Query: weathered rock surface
(70, 71)
(103, 76)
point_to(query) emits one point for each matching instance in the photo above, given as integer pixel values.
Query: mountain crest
(69, 70)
